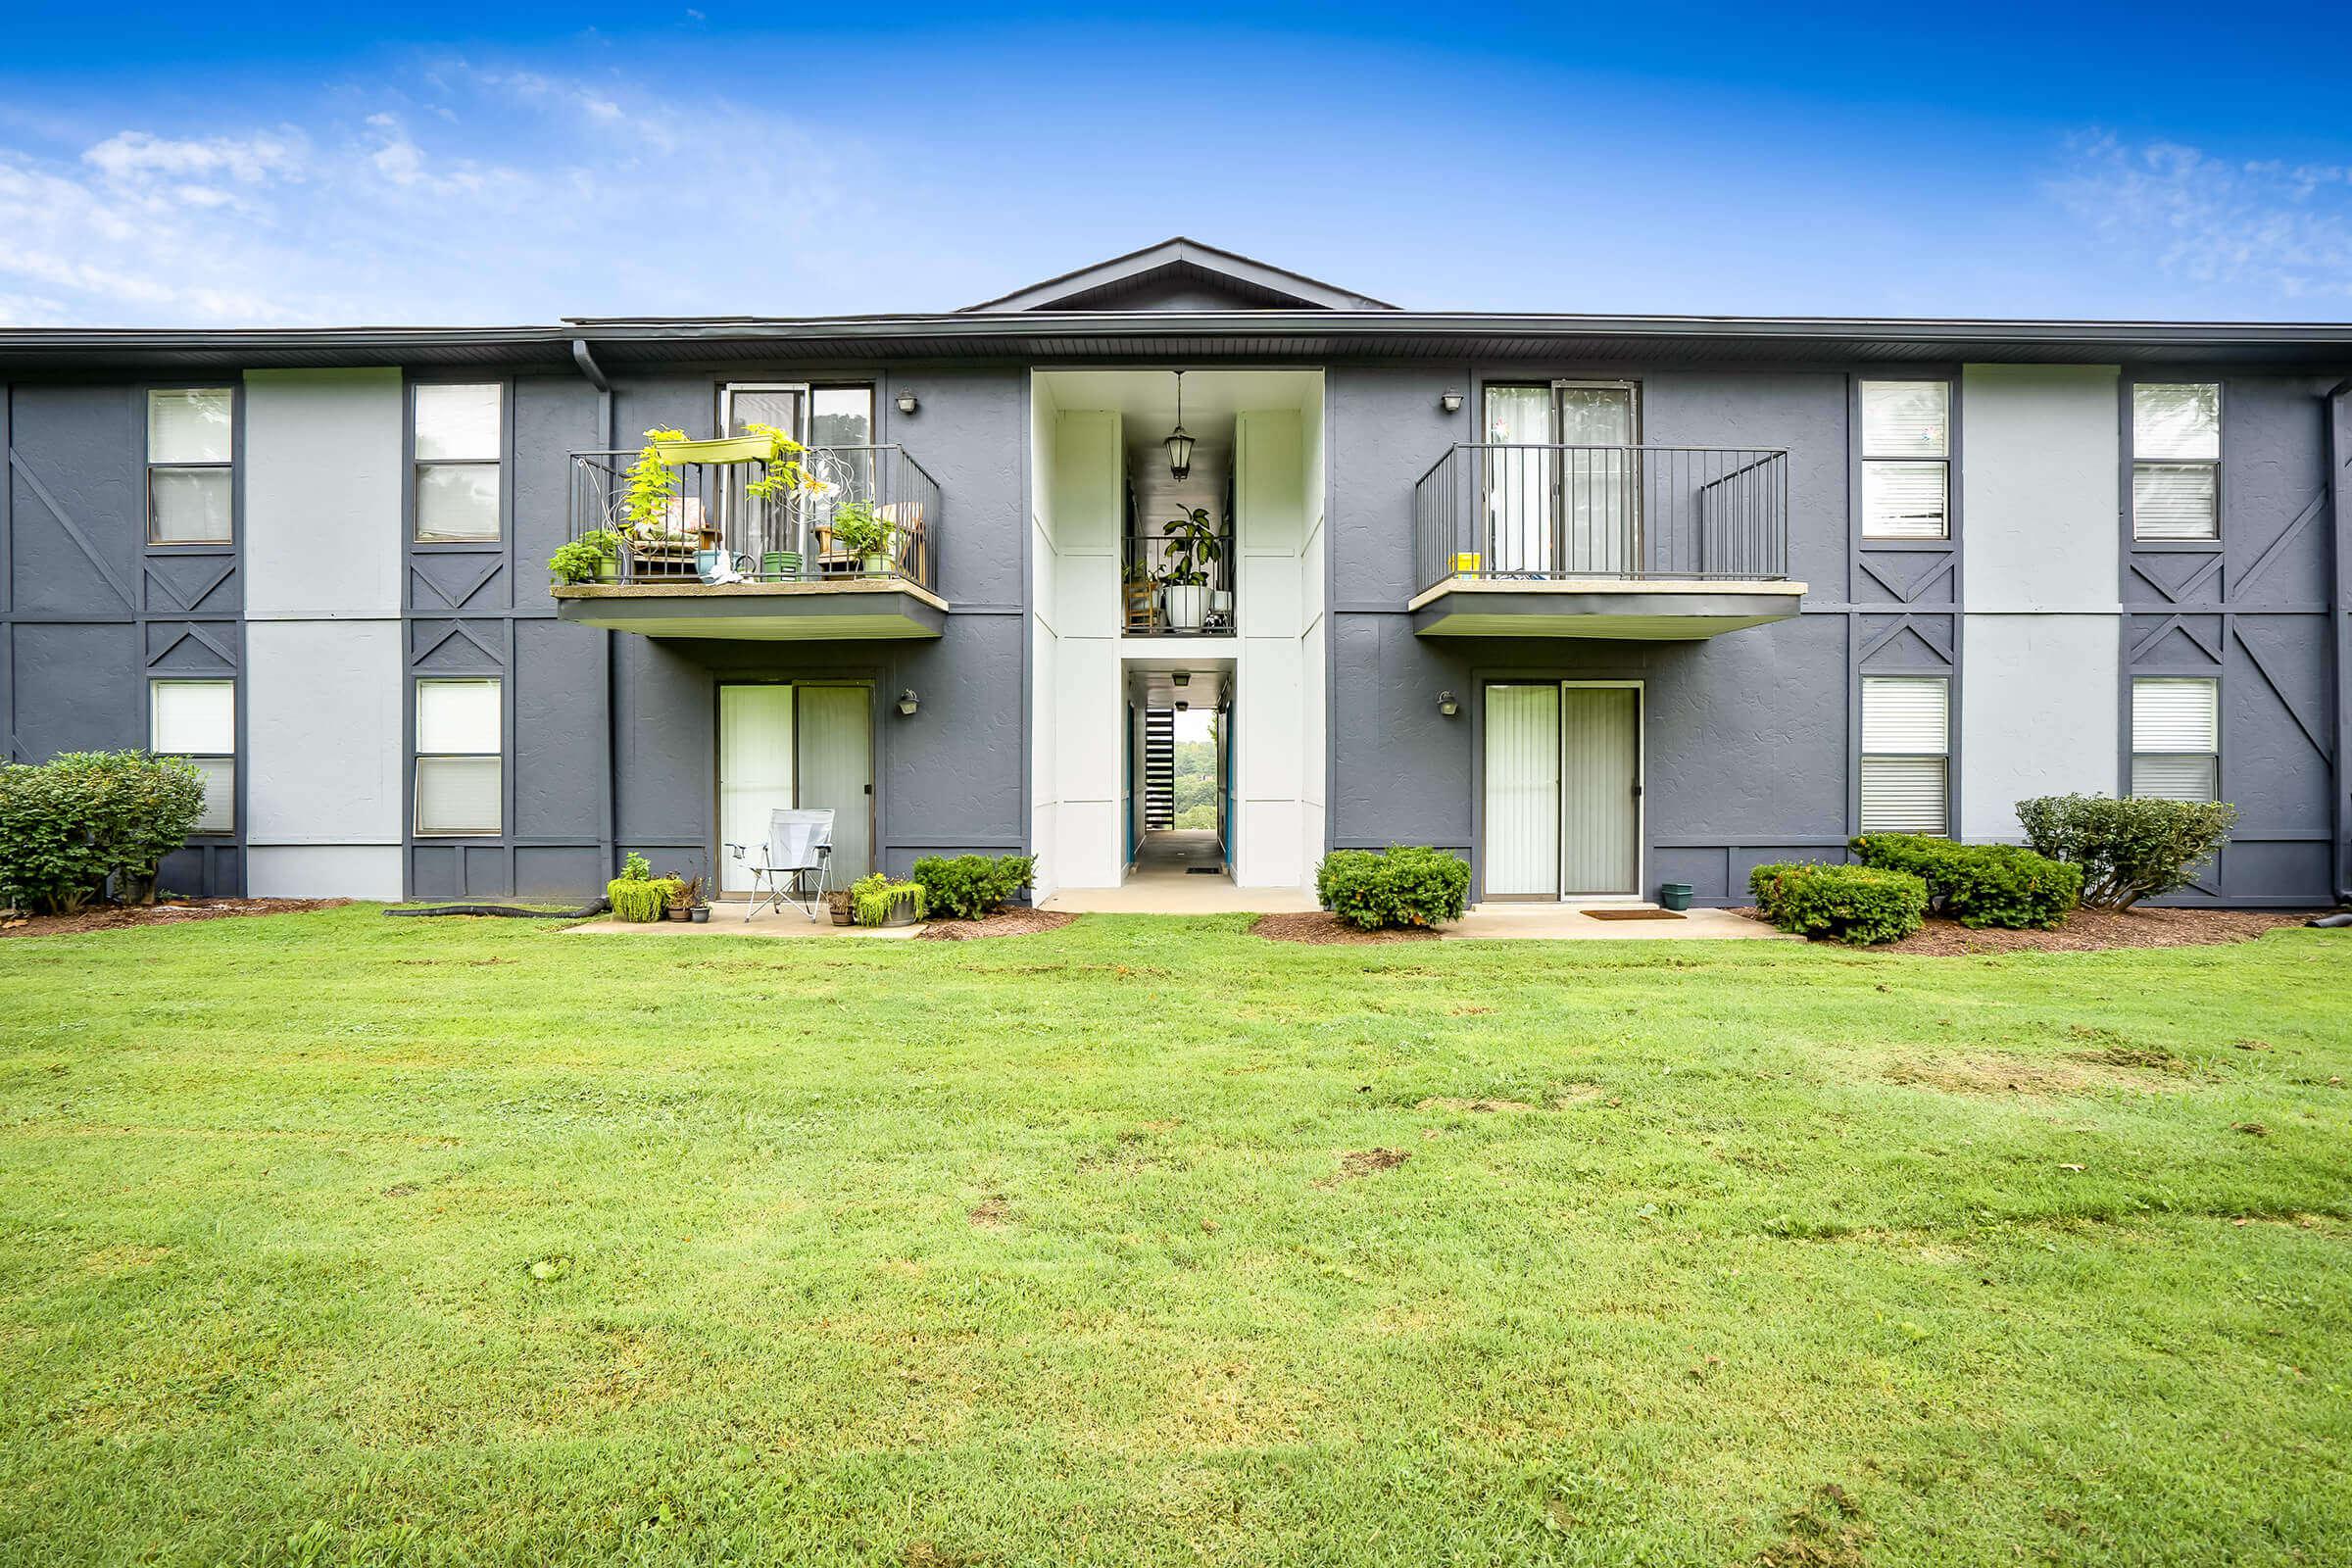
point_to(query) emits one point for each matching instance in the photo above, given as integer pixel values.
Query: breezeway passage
(1151, 1242)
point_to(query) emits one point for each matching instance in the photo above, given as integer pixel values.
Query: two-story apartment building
(1595, 602)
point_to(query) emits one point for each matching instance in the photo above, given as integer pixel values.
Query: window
(1906, 753)
(190, 483)
(198, 719)
(2177, 461)
(1906, 460)
(2176, 738)
(460, 739)
(458, 435)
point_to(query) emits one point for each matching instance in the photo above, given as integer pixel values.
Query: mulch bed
(1322, 926)
(2095, 931)
(1002, 923)
(114, 916)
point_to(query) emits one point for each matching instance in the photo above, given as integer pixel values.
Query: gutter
(596, 377)
(2336, 416)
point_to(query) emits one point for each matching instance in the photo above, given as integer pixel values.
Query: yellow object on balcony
(719, 449)
(1465, 564)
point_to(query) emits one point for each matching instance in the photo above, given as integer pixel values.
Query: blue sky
(445, 163)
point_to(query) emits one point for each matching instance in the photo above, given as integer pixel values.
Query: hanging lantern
(1179, 444)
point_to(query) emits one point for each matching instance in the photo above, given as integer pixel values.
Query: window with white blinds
(2177, 461)
(2176, 738)
(1906, 753)
(1906, 452)
(460, 747)
(191, 477)
(458, 432)
(197, 719)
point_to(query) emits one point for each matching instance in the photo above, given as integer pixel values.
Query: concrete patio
(1570, 922)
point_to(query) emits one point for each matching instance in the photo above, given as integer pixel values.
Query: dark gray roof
(1181, 269)
(1298, 337)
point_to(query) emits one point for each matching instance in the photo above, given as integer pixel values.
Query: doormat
(1632, 914)
(1204, 871)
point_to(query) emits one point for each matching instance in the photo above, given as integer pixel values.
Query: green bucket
(1673, 894)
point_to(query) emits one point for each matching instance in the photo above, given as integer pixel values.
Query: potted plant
(859, 529)
(686, 897)
(1193, 546)
(838, 905)
(881, 901)
(651, 488)
(594, 556)
(637, 894)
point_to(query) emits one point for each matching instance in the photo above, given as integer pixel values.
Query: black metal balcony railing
(867, 512)
(1157, 599)
(1540, 513)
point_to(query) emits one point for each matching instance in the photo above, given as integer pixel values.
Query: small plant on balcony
(593, 554)
(860, 531)
(784, 475)
(1192, 545)
(650, 497)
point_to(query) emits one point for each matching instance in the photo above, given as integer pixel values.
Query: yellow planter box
(1465, 564)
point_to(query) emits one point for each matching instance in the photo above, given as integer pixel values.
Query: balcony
(1642, 542)
(845, 548)
(1178, 585)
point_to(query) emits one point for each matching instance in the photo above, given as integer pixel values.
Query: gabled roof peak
(1182, 274)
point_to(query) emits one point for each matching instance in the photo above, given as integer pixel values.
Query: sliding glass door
(1561, 480)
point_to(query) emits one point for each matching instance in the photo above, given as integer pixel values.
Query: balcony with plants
(1178, 581)
(750, 536)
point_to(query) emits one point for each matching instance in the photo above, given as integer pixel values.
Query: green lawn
(331, 1238)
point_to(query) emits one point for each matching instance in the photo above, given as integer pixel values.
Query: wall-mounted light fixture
(1181, 706)
(1446, 704)
(907, 403)
(908, 702)
(1183, 677)
(1451, 401)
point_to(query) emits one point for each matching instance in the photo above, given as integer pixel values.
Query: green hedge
(1981, 884)
(69, 823)
(2127, 850)
(1857, 905)
(967, 887)
(1400, 886)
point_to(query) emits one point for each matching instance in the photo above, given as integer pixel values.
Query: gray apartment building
(1596, 602)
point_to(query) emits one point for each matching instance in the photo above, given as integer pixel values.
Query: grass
(334, 1239)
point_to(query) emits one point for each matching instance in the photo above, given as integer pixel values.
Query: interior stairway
(1160, 767)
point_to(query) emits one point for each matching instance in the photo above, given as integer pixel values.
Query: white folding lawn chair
(791, 867)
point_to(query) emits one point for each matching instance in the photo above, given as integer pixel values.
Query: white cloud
(455, 195)
(2211, 221)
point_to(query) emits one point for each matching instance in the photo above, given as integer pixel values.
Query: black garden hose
(585, 911)
(2331, 923)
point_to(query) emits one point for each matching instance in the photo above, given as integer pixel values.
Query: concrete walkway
(1568, 922)
(1164, 882)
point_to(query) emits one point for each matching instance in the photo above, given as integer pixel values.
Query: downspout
(2337, 417)
(597, 378)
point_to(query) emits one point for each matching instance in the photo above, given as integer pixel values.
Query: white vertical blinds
(1906, 419)
(756, 772)
(1522, 826)
(1600, 749)
(1906, 738)
(460, 747)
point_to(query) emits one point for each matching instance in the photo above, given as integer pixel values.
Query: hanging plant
(650, 498)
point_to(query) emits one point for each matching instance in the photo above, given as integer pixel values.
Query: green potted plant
(650, 489)
(1195, 547)
(637, 894)
(879, 901)
(859, 529)
(686, 899)
(593, 557)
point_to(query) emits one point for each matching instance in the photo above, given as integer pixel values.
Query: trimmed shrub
(1981, 884)
(874, 897)
(1857, 905)
(1401, 886)
(967, 887)
(69, 823)
(641, 898)
(2127, 850)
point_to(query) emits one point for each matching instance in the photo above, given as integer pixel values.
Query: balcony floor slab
(1641, 611)
(860, 610)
